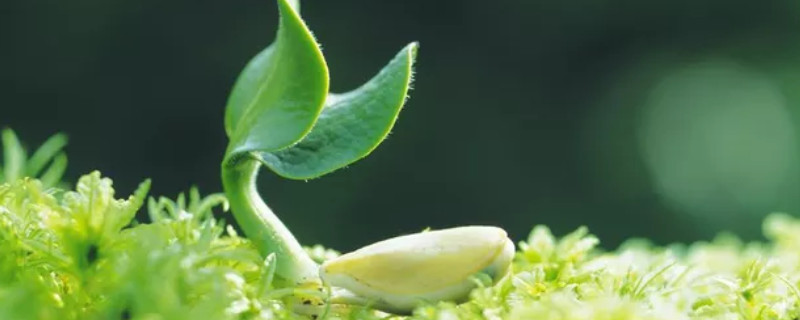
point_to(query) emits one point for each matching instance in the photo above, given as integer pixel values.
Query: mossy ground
(80, 255)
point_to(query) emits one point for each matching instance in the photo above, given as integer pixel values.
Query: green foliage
(80, 255)
(16, 163)
(280, 93)
(570, 279)
(351, 125)
(280, 111)
(280, 114)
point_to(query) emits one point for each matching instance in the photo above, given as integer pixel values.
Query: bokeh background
(672, 120)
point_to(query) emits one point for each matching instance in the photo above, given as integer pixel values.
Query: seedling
(281, 115)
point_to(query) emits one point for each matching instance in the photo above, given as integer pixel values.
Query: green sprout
(281, 115)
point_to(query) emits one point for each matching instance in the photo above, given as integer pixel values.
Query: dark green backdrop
(524, 112)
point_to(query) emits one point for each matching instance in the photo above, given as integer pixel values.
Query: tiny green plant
(79, 253)
(281, 115)
(47, 163)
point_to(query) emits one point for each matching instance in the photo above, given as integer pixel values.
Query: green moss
(79, 255)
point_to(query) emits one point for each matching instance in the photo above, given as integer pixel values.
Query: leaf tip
(292, 6)
(413, 47)
(60, 136)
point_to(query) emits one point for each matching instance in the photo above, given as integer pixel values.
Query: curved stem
(262, 226)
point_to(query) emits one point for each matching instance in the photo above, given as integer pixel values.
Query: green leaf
(13, 156)
(45, 153)
(280, 112)
(97, 214)
(55, 171)
(17, 165)
(351, 124)
(279, 95)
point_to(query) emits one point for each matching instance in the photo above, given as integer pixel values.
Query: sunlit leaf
(16, 163)
(55, 171)
(279, 95)
(46, 152)
(351, 124)
(13, 156)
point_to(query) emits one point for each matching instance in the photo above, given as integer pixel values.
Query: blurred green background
(671, 120)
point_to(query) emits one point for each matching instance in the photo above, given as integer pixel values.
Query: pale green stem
(262, 226)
